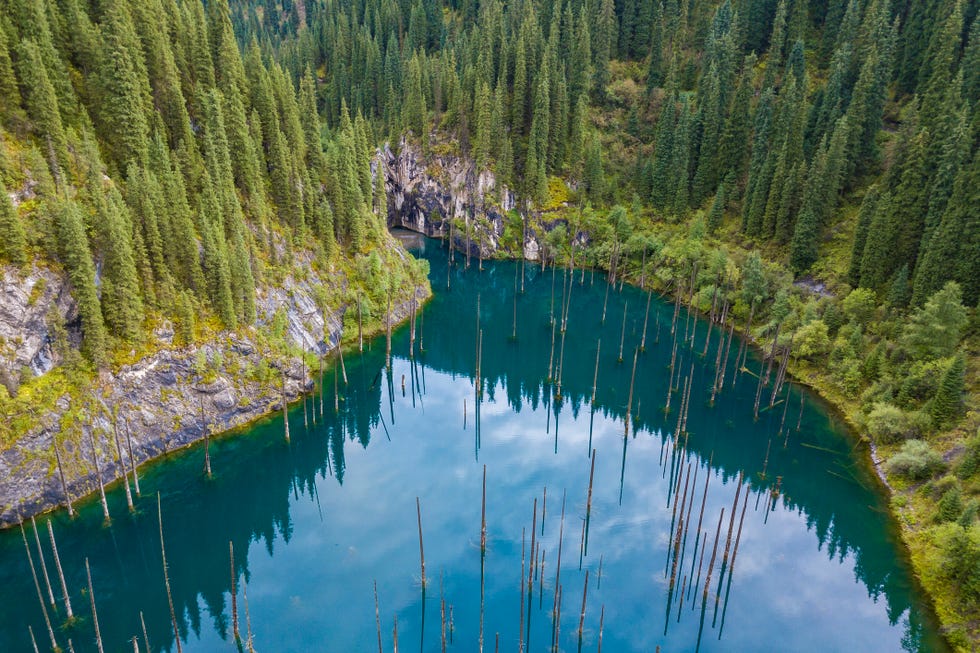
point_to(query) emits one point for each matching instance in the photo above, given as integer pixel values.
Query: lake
(777, 538)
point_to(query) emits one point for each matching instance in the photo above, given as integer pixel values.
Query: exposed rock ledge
(158, 397)
(427, 191)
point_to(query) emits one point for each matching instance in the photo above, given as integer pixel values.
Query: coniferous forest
(814, 163)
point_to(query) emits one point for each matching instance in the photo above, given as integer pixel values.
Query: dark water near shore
(317, 521)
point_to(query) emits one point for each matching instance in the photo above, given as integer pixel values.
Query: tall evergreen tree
(41, 102)
(124, 86)
(74, 246)
(13, 242)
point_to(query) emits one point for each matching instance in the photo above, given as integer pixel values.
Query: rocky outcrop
(159, 400)
(27, 302)
(426, 191)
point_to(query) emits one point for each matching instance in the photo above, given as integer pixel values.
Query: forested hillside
(814, 163)
(168, 174)
(771, 111)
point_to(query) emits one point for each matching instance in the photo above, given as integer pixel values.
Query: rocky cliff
(28, 298)
(159, 399)
(428, 190)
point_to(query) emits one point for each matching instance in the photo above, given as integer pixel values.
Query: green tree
(935, 329)
(717, 212)
(13, 242)
(10, 110)
(124, 86)
(869, 206)
(953, 250)
(77, 258)
(602, 44)
(948, 402)
(41, 101)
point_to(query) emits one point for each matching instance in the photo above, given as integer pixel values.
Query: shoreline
(158, 397)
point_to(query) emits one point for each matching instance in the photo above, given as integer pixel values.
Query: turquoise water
(316, 522)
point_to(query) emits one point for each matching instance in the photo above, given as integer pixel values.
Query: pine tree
(709, 118)
(757, 186)
(580, 61)
(122, 306)
(537, 145)
(717, 212)
(77, 259)
(948, 403)
(40, 101)
(13, 242)
(483, 136)
(732, 150)
(216, 266)
(178, 230)
(869, 206)
(602, 44)
(819, 199)
(10, 110)
(953, 250)
(518, 113)
(901, 290)
(144, 196)
(124, 86)
(680, 165)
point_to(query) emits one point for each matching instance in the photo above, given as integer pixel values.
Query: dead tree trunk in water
(166, 579)
(61, 573)
(360, 328)
(44, 565)
(285, 415)
(37, 586)
(98, 476)
(122, 462)
(95, 615)
(132, 462)
(207, 441)
(234, 593)
(61, 473)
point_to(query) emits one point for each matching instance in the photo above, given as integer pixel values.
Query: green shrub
(887, 423)
(916, 461)
(812, 339)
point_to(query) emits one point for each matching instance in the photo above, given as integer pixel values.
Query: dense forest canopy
(770, 109)
(163, 169)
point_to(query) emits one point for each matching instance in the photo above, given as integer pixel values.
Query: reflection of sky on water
(820, 572)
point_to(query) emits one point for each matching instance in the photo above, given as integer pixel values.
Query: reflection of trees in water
(258, 475)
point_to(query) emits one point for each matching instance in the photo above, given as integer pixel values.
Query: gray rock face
(25, 302)
(158, 399)
(426, 192)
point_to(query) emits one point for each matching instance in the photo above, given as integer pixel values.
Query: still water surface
(316, 522)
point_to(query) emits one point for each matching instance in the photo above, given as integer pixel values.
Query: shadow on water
(818, 551)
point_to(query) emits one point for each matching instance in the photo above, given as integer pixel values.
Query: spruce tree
(953, 250)
(602, 45)
(13, 242)
(124, 86)
(216, 266)
(869, 206)
(717, 212)
(77, 259)
(41, 102)
(681, 150)
(10, 110)
(948, 403)
(122, 305)
(482, 138)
